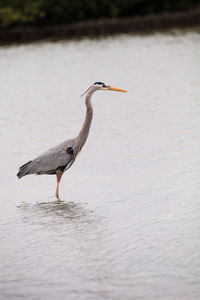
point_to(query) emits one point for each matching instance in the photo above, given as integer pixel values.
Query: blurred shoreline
(137, 24)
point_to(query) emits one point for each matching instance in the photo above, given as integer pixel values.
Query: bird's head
(102, 86)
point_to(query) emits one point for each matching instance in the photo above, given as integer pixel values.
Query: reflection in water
(56, 212)
(75, 242)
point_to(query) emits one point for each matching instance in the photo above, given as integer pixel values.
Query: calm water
(128, 224)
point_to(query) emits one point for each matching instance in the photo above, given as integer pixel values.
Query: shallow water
(128, 223)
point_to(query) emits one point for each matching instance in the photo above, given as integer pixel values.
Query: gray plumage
(57, 160)
(49, 161)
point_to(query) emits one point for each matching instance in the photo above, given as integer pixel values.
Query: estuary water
(128, 223)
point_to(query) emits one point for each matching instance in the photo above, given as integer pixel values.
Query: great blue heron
(58, 159)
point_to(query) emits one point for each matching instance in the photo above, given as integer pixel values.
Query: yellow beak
(112, 88)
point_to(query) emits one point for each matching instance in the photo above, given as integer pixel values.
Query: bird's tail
(23, 170)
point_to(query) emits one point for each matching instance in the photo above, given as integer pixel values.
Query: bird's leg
(58, 175)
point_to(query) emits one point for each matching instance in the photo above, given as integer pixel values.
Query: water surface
(128, 223)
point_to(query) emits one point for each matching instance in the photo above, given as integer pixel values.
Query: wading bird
(58, 159)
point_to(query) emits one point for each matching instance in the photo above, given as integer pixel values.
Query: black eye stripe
(100, 83)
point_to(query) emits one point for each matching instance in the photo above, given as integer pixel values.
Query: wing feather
(51, 159)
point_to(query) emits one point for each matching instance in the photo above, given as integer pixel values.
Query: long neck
(82, 137)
